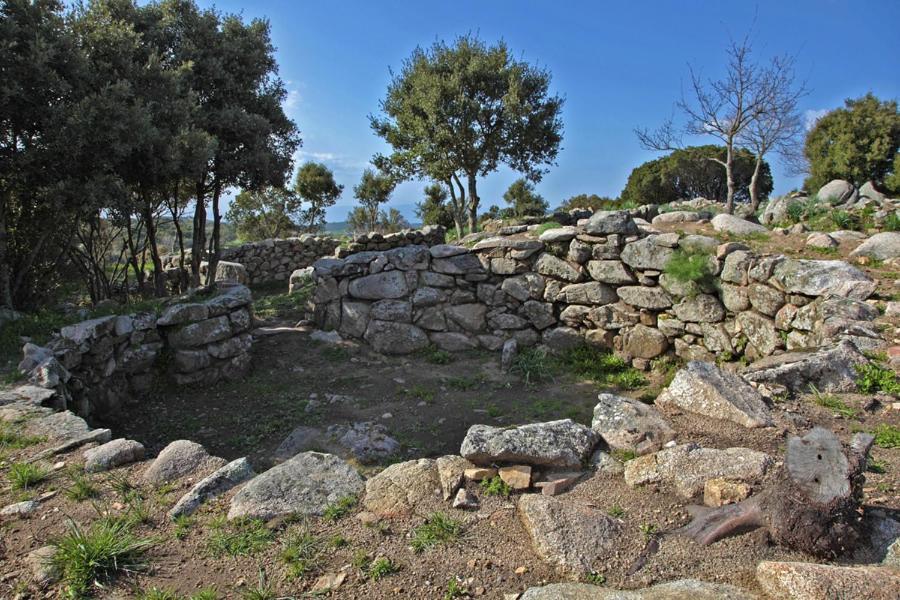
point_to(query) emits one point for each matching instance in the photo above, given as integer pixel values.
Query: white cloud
(338, 162)
(292, 100)
(811, 116)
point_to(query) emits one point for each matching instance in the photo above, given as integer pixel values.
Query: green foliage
(523, 200)
(98, 553)
(183, 524)
(616, 512)
(373, 190)
(648, 529)
(690, 267)
(13, 440)
(239, 537)
(23, 476)
(340, 509)
(858, 142)
(315, 184)
(438, 528)
(546, 227)
(689, 173)
(263, 214)
(623, 455)
(887, 436)
(875, 377)
(437, 104)
(495, 486)
(834, 404)
(455, 589)
(263, 590)
(436, 356)
(155, 593)
(590, 201)
(533, 365)
(434, 210)
(595, 578)
(892, 221)
(381, 568)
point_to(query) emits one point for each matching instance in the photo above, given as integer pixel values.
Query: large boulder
(810, 581)
(688, 467)
(704, 389)
(701, 308)
(777, 210)
(735, 225)
(641, 341)
(653, 298)
(231, 272)
(571, 536)
(682, 589)
(628, 424)
(402, 488)
(827, 369)
(837, 191)
(881, 246)
(605, 222)
(112, 454)
(179, 459)
(304, 485)
(646, 253)
(387, 284)
(822, 278)
(561, 443)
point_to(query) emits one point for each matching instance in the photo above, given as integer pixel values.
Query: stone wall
(99, 363)
(603, 283)
(273, 260)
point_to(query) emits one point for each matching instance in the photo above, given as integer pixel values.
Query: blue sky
(618, 65)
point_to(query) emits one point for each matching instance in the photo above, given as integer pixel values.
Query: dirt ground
(427, 407)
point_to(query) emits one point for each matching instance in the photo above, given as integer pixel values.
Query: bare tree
(779, 126)
(721, 108)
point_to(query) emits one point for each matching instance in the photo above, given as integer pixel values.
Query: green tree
(315, 184)
(434, 209)
(373, 190)
(523, 200)
(858, 142)
(694, 172)
(587, 201)
(457, 112)
(264, 214)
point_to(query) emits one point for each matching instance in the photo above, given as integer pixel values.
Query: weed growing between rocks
(13, 440)
(88, 557)
(438, 528)
(690, 267)
(495, 487)
(340, 509)
(602, 366)
(834, 404)
(875, 377)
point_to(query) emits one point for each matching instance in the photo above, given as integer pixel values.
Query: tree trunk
(729, 176)
(473, 203)
(199, 240)
(214, 243)
(814, 505)
(179, 238)
(5, 287)
(159, 278)
(754, 184)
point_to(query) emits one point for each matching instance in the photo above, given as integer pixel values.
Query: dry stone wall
(603, 283)
(97, 364)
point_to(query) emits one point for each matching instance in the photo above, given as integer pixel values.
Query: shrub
(690, 267)
(438, 528)
(874, 377)
(495, 487)
(99, 553)
(795, 211)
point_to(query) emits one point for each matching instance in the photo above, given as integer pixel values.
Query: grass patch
(87, 557)
(438, 528)
(546, 227)
(262, 591)
(887, 436)
(690, 267)
(834, 404)
(300, 552)
(340, 509)
(241, 537)
(875, 377)
(463, 384)
(623, 455)
(183, 524)
(381, 568)
(12, 440)
(421, 392)
(81, 487)
(602, 366)
(455, 589)
(534, 365)
(436, 356)
(495, 487)
(23, 476)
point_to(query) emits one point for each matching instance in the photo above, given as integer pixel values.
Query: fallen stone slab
(683, 589)
(826, 369)
(99, 436)
(304, 485)
(402, 488)
(881, 246)
(517, 477)
(19, 509)
(571, 536)
(179, 459)
(561, 443)
(58, 426)
(30, 394)
(822, 278)
(811, 581)
(216, 484)
(688, 467)
(112, 454)
(704, 389)
(628, 424)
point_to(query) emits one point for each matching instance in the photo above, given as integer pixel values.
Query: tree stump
(813, 506)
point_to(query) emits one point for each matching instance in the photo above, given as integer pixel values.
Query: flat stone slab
(688, 467)
(304, 485)
(561, 443)
(628, 424)
(828, 369)
(571, 536)
(704, 389)
(811, 581)
(403, 488)
(683, 589)
(219, 482)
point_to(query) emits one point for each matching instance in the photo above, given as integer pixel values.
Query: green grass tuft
(240, 537)
(438, 528)
(382, 567)
(300, 551)
(23, 476)
(887, 436)
(874, 377)
(495, 487)
(690, 267)
(340, 509)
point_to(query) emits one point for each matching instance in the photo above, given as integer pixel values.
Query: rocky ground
(608, 525)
